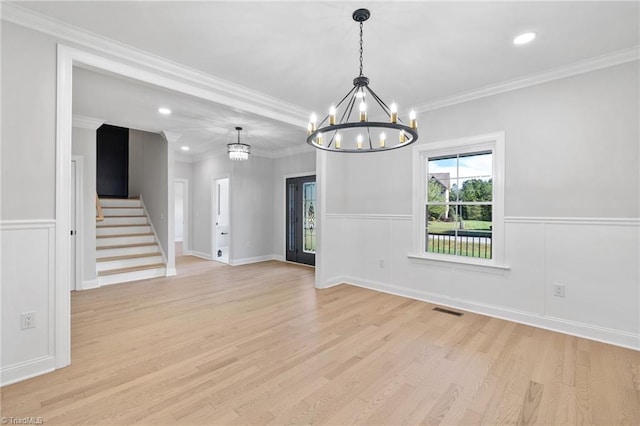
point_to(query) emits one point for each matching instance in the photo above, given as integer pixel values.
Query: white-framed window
(458, 208)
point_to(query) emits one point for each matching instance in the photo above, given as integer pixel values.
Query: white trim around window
(495, 142)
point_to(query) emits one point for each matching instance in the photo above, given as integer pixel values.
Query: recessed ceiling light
(164, 111)
(524, 38)
(184, 148)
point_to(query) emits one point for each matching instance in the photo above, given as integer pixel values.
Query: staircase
(126, 247)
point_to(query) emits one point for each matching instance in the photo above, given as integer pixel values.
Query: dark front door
(301, 219)
(112, 161)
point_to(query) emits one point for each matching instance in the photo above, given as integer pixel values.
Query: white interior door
(222, 219)
(72, 225)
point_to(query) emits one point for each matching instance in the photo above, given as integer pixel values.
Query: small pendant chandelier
(238, 151)
(370, 130)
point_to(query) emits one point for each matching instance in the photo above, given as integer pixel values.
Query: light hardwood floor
(258, 344)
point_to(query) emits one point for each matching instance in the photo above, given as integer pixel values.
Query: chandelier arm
(332, 138)
(369, 137)
(346, 96)
(348, 109)
(382, 104)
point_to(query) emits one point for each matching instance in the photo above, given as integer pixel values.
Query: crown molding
(616, 58)
(302, 148)
(171, 137)
(224, 92)
(84, 122)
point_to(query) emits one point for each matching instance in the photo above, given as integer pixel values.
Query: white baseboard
(90, 284)
(26, 370)
(573, 328)
(178, 240)
(187, 252)
(279, 257)
(171, 272)
(247, 260)
(201, 255)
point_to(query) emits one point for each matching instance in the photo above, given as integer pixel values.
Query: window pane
(453, 229)
(291, 192)
(477, 164)
(309, 217)
(475, 189)
(442, 176)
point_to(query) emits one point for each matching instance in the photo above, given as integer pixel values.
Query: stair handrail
(99, 214)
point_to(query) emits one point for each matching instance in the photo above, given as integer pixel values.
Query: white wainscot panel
(27, 286)
(413, 277)
(372, 252)
(521, 287)
(598, 265)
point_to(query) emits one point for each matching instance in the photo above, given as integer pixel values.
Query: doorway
(181, 217)
(75, 221)
(301, 219)
(222, 221)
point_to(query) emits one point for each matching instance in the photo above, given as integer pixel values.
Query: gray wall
(251, 199)
(84, 144)
(571, 150)
(28, 124)
(148, 177)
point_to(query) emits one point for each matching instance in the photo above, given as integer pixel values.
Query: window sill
(466, 264)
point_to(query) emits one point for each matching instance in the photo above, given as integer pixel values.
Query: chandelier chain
(360, 49)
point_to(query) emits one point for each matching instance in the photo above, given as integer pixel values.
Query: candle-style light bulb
(394, 113)
(403, 136)
(413, 123)
(332, 115)
(363, 111)
(313, 122)
(359, 143)
(383, 139)
(319, 139)
(338, 140)
(309, 129)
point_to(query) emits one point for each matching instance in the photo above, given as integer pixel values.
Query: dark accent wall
(112, 166)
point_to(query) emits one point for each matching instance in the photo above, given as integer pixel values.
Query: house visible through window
(459, 204)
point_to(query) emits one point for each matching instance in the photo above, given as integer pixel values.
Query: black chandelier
(368, 132)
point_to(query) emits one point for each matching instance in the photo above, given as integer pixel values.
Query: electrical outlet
(558, 290)
(382, 263)
(27, 320)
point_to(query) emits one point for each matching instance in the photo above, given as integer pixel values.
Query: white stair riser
(125, 263)
(142, 220)
(107, 252)
(116, 202)
(143, 229)
(132, 276)
(112, 241)
(123, 212)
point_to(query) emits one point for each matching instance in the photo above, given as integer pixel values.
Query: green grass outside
(437, 227)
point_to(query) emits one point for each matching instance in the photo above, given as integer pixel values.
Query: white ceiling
(306, 53)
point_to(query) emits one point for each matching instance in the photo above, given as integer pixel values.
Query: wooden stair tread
(131, 269)
(128, 256)
(146, 234)
(117, 246)
(123, 225)
(135, 197)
